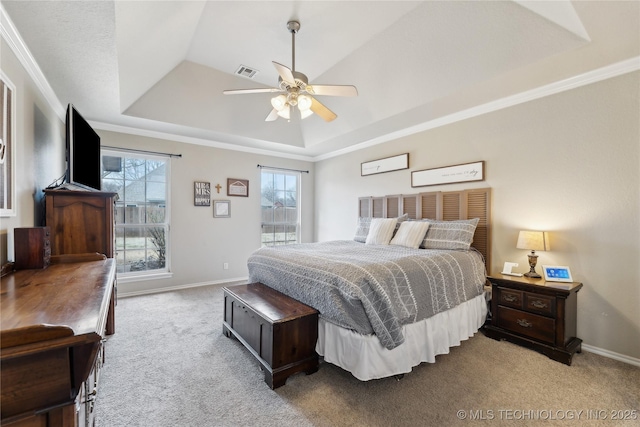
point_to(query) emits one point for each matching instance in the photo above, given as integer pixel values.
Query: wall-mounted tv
(83, 151)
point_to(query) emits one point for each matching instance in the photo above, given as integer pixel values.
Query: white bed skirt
(367, 359)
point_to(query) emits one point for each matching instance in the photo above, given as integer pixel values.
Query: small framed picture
(221, 209)
(237, 187)
(557, 273)
(201, 193)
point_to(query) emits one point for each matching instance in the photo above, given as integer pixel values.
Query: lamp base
(533, 260)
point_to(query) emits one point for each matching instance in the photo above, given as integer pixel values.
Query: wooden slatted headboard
(447, 205)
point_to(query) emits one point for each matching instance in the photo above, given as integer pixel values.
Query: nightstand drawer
(510, 298)
(540, 304)
(528, 324)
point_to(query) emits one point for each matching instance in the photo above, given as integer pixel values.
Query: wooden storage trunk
(278, 330)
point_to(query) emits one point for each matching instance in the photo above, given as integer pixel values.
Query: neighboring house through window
(142, 211)
(280, 207)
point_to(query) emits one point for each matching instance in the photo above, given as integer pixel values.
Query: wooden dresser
(81, 221)
(536, 314)
(53, 324)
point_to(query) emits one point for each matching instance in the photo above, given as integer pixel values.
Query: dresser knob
(524, 323)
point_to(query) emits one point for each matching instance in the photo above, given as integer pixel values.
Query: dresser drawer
(510, 297)
(528, 324)
(541, 304)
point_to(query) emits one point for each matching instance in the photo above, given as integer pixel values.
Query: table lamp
(534, 241)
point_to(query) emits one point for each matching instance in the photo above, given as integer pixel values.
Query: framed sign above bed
(387, 164)
(449, 174)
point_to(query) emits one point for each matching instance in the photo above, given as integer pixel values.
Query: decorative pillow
(381, 231)
(363, 229)
(410, 234)
(364, 224)
(450, 234)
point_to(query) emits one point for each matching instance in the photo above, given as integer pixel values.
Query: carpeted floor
(169, 365)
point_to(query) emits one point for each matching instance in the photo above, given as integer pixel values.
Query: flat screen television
(83, 151)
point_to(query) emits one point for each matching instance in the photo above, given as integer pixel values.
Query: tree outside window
(142, 225)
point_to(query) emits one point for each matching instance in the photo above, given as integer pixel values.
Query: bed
(404, 290)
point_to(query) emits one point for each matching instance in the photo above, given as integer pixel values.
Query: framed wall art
(388, 164)
(237, 187)
(221, 209)
(449, 174)
(201, 193)
(7, 147)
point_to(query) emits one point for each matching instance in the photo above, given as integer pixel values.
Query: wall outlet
(225, 266)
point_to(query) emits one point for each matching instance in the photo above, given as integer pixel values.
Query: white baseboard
(611, 355)
(177, 288)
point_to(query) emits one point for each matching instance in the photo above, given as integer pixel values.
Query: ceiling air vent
(246, 72)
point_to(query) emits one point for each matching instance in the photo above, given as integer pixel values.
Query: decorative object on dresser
(32, 247)
(534, 241)
(81, 221)
(54, 322)
(278, 330)
(557, 273)
(535, 313)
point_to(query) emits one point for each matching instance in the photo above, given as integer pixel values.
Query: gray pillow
(450, 234)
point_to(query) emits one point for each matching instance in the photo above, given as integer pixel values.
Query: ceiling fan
(296, 90)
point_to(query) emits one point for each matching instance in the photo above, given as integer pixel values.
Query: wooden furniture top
(270, 303)
(56, 302)
(81, 193)
(540, 284)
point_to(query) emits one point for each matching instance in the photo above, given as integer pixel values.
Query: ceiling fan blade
(256, 90)
(332, 90)
(285, 73)
(322, 111)
(273, 115)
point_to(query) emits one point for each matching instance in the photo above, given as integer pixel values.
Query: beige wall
(200, 243)
(567, 164)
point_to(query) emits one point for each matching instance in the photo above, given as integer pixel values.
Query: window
(280, 196)
(142, 210)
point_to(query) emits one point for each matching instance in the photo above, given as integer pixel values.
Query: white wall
(567, 164)
(200, 243)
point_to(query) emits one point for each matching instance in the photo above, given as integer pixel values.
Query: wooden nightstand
(536, 314)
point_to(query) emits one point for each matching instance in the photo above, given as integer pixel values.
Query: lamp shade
(533, 240)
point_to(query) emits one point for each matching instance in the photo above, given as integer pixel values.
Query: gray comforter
(371, 288)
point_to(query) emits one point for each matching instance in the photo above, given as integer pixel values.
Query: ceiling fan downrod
(293, 27)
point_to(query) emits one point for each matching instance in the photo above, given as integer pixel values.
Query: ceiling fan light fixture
(285, 112)
(279, 102)
(305, 113)
(304, 102)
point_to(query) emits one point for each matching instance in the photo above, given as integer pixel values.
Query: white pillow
(381, 231)
(410, 234)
